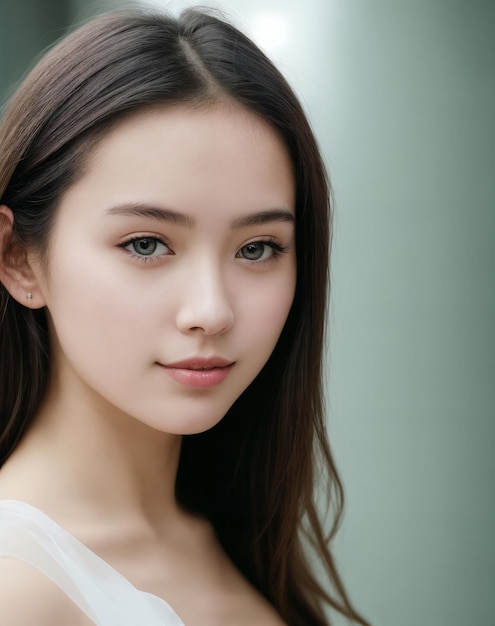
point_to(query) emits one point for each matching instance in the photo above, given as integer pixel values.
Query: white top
(104, 595)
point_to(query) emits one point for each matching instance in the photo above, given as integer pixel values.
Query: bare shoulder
(28, 597)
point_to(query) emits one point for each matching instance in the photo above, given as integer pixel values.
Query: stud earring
(29, 295)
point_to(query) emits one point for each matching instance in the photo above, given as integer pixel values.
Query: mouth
(200, 363)
(199, 372)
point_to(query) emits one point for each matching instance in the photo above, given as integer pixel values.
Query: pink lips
(199, 372)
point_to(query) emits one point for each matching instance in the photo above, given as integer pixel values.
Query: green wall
(410, 134)
(26, 28)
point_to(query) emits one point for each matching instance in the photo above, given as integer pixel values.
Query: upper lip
(200, 363)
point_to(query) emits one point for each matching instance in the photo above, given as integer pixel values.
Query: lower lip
(198, 378)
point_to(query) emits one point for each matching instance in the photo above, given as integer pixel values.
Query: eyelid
(144, 235)
(269, 240)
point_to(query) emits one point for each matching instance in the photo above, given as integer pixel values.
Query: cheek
(265, 312)
(91, 309)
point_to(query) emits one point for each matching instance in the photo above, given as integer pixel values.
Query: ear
(16, 269)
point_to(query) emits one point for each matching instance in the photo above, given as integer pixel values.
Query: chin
(189, 425)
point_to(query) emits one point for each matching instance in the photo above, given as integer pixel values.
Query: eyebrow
(182, 219)
(152, 212)
(263, 217)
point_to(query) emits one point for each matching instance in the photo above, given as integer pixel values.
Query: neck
(85, 461)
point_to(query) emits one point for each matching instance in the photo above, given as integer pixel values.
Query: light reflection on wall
(270, 30)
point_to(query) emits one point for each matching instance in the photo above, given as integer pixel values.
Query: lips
(200, 363)
(199, 372)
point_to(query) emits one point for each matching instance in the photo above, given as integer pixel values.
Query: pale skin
(210, 270)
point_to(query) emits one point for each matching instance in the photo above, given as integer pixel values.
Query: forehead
(223, 155)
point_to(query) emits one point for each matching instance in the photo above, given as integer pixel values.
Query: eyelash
(277, 247)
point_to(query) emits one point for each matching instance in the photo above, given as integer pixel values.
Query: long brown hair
(254, 474)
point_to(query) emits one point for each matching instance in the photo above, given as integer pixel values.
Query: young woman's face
(172, 266)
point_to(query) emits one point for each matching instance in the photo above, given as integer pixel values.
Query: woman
(164, 236)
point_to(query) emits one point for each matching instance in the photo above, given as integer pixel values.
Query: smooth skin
(176, 242)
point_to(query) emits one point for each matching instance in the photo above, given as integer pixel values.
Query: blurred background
(402, 98)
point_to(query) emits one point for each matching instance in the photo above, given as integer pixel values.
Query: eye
(260, 250)
(146, 247)
(255, 251)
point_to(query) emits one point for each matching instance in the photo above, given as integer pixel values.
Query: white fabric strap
(104, 595)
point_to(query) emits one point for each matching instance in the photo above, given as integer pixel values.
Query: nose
(205, 304)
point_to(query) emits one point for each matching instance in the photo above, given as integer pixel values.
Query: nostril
(210, 321)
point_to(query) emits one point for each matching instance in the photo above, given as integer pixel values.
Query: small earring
(29, 295)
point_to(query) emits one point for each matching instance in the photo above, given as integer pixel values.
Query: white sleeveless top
(104, 595)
